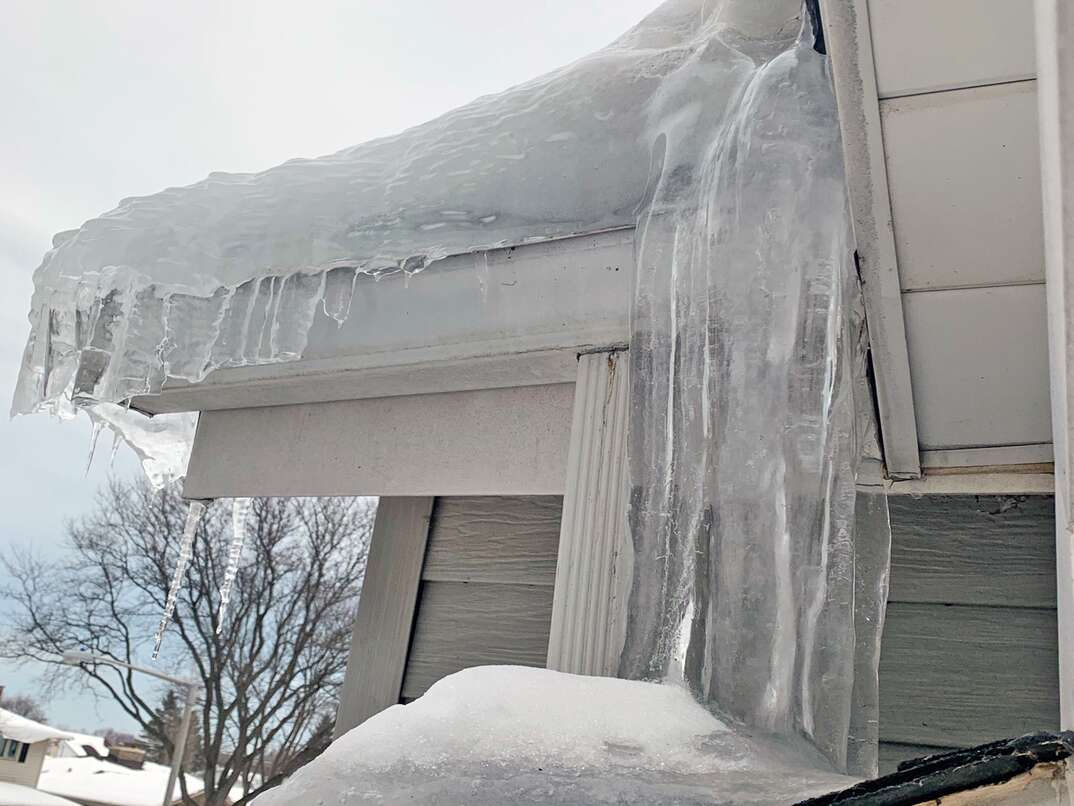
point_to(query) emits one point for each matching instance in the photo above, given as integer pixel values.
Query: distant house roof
(17, 795)
(76, 744)
(104, 782)
(26, 730)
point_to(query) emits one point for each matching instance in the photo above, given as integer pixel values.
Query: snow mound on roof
(21, 729)
(504, 734)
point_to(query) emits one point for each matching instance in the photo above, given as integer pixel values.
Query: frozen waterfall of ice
(744, 446)
(711, 127)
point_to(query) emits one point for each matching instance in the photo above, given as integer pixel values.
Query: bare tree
(273, 670)
(24, 705)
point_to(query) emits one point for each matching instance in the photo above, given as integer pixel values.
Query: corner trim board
(381, 635)
(588, 607)
(854, 76)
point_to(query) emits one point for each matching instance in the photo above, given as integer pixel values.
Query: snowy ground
(502, 734)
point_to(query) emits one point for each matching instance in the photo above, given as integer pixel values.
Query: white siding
(929, 45)
(27, 772)
(964, 176)
(979, 363)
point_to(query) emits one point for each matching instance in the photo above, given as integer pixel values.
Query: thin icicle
(240, 508)
(92, 446)
(186, 550)
(114, 451)
(482, 261)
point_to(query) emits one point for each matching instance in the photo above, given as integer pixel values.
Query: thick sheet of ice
(506, 734)
(744, 444)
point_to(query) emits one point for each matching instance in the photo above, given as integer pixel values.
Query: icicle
(482, 260)
(186, 550)
(92, 446)
(240, 508)
(112, 453)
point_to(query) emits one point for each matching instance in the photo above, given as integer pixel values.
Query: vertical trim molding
(385, 618)
(849, 40)
(1055, 97)
(592, 572)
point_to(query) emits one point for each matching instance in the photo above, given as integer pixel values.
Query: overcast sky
(102, 100)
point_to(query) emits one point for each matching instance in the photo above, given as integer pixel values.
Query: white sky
(102, 100)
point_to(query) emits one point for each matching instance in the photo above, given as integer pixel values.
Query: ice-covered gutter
(710, 127)
(230, 271)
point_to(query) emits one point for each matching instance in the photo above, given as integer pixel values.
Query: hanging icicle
(186, 550)
(94, 435)
(240, 508)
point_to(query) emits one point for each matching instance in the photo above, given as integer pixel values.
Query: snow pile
(504, 734)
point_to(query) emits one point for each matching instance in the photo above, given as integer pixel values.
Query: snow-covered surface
(108, 783)
(21, 729)
(16, 795)
(76, 745)
(501, 734)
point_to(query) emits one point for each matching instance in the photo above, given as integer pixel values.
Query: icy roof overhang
(232, 271)
(229, 271)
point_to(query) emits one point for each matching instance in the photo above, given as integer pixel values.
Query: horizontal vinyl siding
(487, 584)
(27, 772)
(969, 652)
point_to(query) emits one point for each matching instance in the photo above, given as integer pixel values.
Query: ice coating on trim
(711, 127)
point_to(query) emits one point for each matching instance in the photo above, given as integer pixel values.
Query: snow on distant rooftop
(502, 734)
(105, 782)
(77, 743)
(21, 729)
(16, 795)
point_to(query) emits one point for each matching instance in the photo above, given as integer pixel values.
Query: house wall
(969, 646)
(452, 582)
(486, 586)
(27, 772)
(969, 652)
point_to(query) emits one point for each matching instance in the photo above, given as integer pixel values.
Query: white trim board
(846, 27)
(1055, 95)
(976, 484)
(482, 442)
(1034, 454)
(482, 310)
